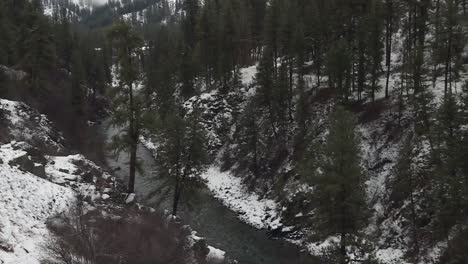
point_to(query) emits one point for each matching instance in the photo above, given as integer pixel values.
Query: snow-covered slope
(22, 123)
(40, 182)
(34, 186)
(26, 202)
(73, 6)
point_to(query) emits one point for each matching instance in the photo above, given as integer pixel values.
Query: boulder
(26, 163)
(35, 154)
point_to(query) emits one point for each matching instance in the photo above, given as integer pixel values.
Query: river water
(219, 225)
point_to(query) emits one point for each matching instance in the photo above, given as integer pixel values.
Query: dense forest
(350, 114)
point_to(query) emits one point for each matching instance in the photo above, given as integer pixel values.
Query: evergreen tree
(6, 37)
(340, 191)
(188, 68)
(182, 150)
(78, 93)
(128, 103)
(338, 67)
(390, 7)
(453, 44)
(450, 193)
(375, 46)
(40, 55)
(404, 186)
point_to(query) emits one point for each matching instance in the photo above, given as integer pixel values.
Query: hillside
(40, 190)
(282, 131)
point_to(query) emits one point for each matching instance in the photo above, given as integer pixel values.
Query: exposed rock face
(19, 122)
(32, 161)
(25, 163)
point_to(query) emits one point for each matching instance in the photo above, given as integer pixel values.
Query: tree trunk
(131, 179)
(175, 202)
(290, 97)
(343, 248)
(388, 41)
(178, 180)
(133, 144)
(448, 60)
(413, 217)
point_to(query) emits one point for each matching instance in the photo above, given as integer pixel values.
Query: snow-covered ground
(23, 123)
(26, 202)
(252, 209)
(29, 197)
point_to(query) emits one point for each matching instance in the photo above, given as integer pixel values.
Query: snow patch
(26, 202)
(258, 212)
(215, 255)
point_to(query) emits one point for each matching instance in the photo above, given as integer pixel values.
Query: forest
(348, 118)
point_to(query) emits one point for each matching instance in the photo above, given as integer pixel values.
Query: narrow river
(219, 225)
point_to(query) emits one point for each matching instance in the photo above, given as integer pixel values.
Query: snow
(130, 198)
(12, 108)
(28, 125)
(138, 17)
(215, 255)
(61, 169)
(258, 212)
(26, 202)
(391, 256)
(318, 248)
(48, 5)
(248, 74)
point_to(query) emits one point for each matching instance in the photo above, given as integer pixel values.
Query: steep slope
(42, 186)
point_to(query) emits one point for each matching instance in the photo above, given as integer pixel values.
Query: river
(219, 225)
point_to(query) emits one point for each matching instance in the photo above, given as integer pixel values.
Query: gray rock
(26, 163)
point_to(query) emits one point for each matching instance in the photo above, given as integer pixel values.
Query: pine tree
(182, 150)
(7, 54)
(78, 94)
(161, 72)
(452, 37)
(389, 30)
(338, 67)
(449, 194)
(128, 104)
(375, 46)
(340, 191)
(404, 186)
(188, 67)
(266, 81)
(40, 55)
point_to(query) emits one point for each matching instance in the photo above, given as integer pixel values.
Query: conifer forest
(233, 131)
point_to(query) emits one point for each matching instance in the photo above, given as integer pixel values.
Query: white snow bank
(260, 213)
(62, 170)
(26, 202)
(248, 74)
(215, 255)
(130, 198)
